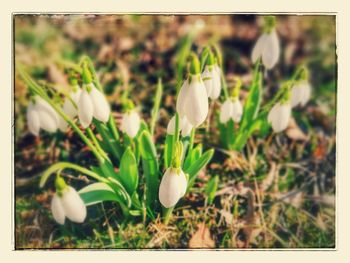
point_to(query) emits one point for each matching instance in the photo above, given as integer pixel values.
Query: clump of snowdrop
(267, 46)
(185, 126)
(174, 182)
(130, 121)
(192, 100)
(41, 115)
(280, 113)
(67, 203)
(211, 77)
(232, 107)
(92, 102)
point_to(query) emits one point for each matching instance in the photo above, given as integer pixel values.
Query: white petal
(68, 106)
(181, 99)
(216, 85)
(186, 127)
(33, 120)
(237, 111)
(182, 183)
(258, 48)
(196, 107)
(207, 80)
(85, 109)
(73, 205)
(271, 50)
(100, 105)
(170, 189)
(296, 95)
(42, 105)
(57, 209)
(47, 121)
(171, 126)
(281, 118)
(226, 111)
(306, 94)
(131, 123)
(62, 124)
(272, 113)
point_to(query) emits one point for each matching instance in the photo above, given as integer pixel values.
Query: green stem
(190, 147)
(167, 212)
(65, 165)
(96, 143)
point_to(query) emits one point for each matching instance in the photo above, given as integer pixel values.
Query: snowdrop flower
(92, 103)
(267, 47)
(192, 101)
(130, 123)
(231, 109)
(67, 203)
(40, 114)
(69, 108)
(172, 187)
(185, 126)
(212, 81)
(301, 93)
(279, 116)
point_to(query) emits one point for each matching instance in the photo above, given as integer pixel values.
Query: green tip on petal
(195, 67)
(269, 23)
(86, 75)
(211, 59)
(60, 184)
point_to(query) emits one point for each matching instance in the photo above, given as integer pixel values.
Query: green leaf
(128, 174)
(150, 167)
(252, 104)
(168, 148)
(97, 193)
(211, 189)
(192, 156)
(155, 110)
(198, 165)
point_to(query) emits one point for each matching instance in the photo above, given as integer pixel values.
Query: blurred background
(130, 53)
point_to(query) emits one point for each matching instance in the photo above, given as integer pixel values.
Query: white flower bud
(92, 103)
(131, 123)
(231, 110)
(279, 116)
(212, 81)
(268, 48)
(172, 187)
(300, 93)
(193, 101)
(70, 205)
(40, 114)
(184, 125)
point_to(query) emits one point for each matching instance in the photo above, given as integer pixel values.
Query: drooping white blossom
(172, 187)
(92, 103)
(68, 204)
(231, 109)
(192, 101)
(268, 48)
(69, 108)
(212, 81)
(184, 125)
(279, 116)
(130, 123)
(41, 115)
(300, 93)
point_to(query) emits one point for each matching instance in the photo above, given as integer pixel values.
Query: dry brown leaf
(201, 238)
(295, 133)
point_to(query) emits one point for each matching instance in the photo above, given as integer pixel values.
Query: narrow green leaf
(168, 148)
(128, 171)
(155, 110)
(97, 193)
(150, 167)
(211, 189)
(198, 165)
